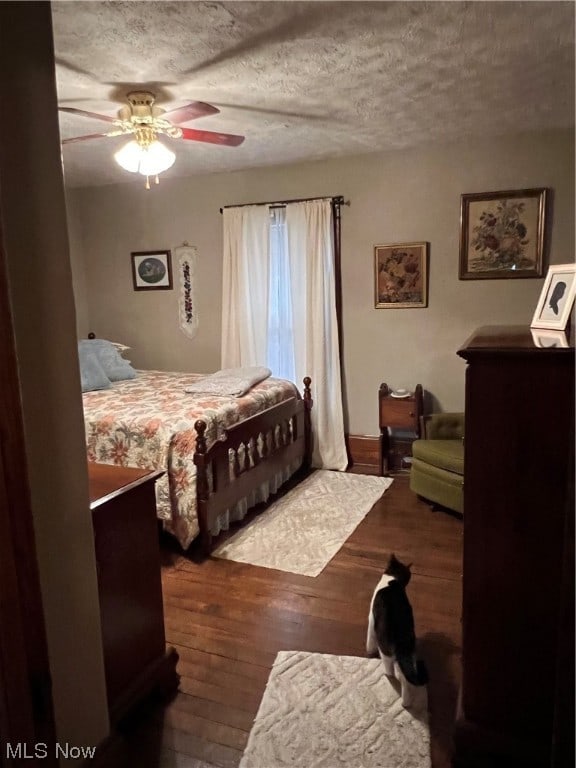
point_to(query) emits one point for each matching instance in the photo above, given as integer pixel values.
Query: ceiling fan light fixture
(128, 156)
(155, 159)
(147, 160)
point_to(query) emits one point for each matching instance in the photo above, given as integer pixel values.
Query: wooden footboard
(249, 454)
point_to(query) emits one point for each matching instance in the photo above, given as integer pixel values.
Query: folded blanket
(230, 382)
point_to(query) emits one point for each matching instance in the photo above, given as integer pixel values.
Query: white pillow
(115, 366)
(120, 347)
(92, 374)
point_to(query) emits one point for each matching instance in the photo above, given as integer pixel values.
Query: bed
(221, 455)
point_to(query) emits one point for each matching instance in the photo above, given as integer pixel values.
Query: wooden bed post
(308, 403)
(202, 485)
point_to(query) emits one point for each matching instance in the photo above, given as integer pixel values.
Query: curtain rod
(337, 200)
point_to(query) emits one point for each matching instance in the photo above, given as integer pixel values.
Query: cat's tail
(413, 669)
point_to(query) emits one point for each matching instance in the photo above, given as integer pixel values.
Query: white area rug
(302, 531)
(322, 711)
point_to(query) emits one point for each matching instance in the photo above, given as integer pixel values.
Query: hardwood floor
(228, 620)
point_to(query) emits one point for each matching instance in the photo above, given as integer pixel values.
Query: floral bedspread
(148, 422)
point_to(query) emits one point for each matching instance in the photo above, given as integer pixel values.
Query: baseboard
(363, 450)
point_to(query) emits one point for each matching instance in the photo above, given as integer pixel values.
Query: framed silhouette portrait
(557, 298)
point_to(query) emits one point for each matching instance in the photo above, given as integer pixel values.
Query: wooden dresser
(517, 697)
(136, 661)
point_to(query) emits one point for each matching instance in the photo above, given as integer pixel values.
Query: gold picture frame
(502, 234)
(401, 276)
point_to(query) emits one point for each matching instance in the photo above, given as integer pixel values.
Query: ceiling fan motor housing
(141, 109)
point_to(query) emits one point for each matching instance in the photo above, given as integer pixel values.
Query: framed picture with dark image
(556, 298)
(502, 234)
(151, 270)
(400, 276)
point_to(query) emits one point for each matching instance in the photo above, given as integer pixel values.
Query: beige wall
(40, 286)
(77, 264)
(395, 197)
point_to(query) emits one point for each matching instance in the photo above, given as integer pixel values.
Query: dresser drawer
(398, 414)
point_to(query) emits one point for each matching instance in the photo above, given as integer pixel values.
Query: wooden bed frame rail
(249, 454)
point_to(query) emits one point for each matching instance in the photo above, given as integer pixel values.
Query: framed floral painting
(502, 234)
(400, 275)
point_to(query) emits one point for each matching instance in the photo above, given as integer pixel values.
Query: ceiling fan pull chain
(156, 181)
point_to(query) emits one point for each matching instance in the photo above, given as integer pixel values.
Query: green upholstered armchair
(437, 472)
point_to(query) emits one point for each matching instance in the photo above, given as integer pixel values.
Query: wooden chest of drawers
(136, 661)
(517, 696)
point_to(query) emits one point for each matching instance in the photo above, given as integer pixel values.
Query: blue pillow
(92, 374)
(114, 365)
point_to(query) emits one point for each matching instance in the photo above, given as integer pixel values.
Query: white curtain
(245, 286)
(281, 311)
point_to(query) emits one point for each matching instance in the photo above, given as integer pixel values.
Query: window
(280, 352)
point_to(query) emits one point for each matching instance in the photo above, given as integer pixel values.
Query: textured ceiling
(311, 80)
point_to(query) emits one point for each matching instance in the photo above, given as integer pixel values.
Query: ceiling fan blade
(84, 138)
(278, 112)
(301, 20)
(91, 115)
(190, 112)
(60, 61)
(226, 139)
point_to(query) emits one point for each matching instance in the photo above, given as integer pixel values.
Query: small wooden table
(136, 662)
(397, 413)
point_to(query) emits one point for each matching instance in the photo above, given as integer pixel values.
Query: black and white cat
(391, 630)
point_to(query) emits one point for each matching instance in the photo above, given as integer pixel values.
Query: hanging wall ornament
(187, 256)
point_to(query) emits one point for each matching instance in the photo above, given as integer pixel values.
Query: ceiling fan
(144, 121)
